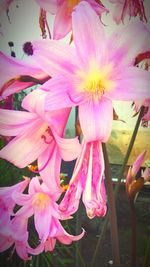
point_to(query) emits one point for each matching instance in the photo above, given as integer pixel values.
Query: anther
(28, 48)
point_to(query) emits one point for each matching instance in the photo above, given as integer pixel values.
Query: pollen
(95, 80)
(40, 201)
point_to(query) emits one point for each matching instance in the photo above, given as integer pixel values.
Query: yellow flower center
(96, 80)
(40, 201)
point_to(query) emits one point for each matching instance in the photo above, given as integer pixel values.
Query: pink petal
(25, 149)
(21, 249)
(25, 211)
(69, 148)
(43, 216)
(133, 84)
(62, 22)
(15, 68)
(50, 174)
(21, 199)
(137, 163)
(88, 33)
(134, 38)
(5, 243)
(34, 102)
(36, 251)
(63, 96)
(96, 119)
(34, 186)
(50, 244)
(57, 119)
(13, 122)
(51, 56)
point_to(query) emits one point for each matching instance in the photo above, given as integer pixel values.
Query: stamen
(28, 48)
(44, 137)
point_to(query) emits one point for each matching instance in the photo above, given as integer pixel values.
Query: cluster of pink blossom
(89, 73)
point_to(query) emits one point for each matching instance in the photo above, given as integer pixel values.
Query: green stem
(105, 224)
(112, 210)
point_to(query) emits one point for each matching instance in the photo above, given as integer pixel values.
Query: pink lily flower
(88, 180)
(63, 10)
(17, 75)
(7, 203)
(15, 233)
(38, 136)
(41, 203)
(131, 8)
(95, 71)
(56, 232)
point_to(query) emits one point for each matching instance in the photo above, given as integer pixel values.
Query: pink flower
(63, 10)
(38, 136)
(17, 75)
(56, 232)
(40, 202)
(87, 179)
(15, 233)
(95, 71)
(131, 8)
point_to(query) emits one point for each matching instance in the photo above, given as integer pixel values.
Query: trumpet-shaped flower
(56, 232)
(95, 71)
(87, 179)
(63, 10)
(131, 8)
(40, 202)
(17, 75)
(38, 136)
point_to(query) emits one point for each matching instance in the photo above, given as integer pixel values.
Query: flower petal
(133, 84)
(43, 216)
(15, 68)
(134, 39)
(54, 57)
(13, 122)
(96, 119)
(34, 102)
(50, 174)
(89, 37)
(62, 22)
(69, 148)
(63, 96)
(25, 149)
